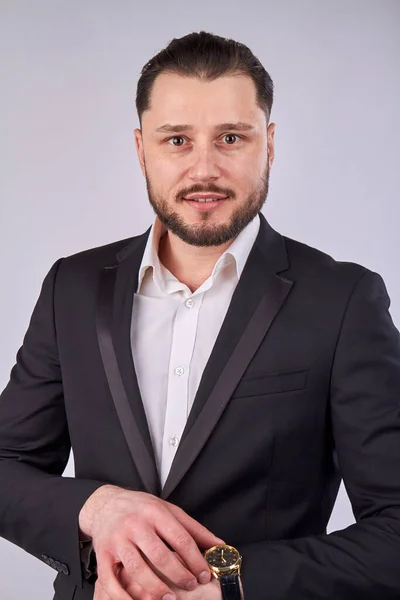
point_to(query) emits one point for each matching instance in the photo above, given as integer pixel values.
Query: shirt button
(189, 303)
(174, 441)
(179, 371)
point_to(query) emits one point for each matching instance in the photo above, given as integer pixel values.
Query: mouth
(205, 198)
(205, 203)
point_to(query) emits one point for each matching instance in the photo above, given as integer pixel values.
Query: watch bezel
(220, 571)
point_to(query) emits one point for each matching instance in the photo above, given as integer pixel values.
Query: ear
(139, 148)
(271, 143)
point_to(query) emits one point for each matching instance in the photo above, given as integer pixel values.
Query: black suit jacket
(302, 387)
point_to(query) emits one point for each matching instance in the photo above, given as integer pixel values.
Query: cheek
(246, 169)
(243, 179)
(163, 176)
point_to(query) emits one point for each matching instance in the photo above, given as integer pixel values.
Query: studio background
(70, 178)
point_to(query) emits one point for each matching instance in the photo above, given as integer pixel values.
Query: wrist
(90, 510)
(225, 564)
(217, 583)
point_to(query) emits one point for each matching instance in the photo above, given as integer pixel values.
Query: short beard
(212, 235)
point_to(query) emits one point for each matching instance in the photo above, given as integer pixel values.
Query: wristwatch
(225, 563)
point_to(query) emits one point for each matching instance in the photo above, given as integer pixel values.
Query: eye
(173, 139)
(230, 137)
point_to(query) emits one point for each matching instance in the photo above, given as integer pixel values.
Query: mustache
(201, 189)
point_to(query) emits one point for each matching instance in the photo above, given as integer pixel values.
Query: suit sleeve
(39, 508)
(361, 562)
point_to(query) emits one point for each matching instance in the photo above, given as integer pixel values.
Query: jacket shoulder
(308, 261)
(99, 254)
(85, 266)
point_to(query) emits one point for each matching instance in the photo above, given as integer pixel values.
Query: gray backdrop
(69, 173)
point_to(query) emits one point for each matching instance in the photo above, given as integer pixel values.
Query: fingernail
(168, 597)
(204, 577)
(191, 585)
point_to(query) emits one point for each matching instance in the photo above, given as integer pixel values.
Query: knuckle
(159, 555)
(127, 522)
(150, 510)
(150, 538)
(133, 564)
(183, 541)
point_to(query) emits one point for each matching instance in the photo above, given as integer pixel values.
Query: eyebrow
(239, 126)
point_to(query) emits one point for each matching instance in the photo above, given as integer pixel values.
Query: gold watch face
(222, 557)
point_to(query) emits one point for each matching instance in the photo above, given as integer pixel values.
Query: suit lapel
(255, 303)
(114, 313)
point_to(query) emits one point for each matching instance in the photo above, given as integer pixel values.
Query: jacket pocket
(271, 383)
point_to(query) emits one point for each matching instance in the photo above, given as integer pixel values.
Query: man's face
(205, 138)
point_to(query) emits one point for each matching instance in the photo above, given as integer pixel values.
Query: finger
(176, 535)
(163, 561)
(142, 574)
(108, 581)
(203, 536)
(179, 558)
(134, 589)
(99, 592)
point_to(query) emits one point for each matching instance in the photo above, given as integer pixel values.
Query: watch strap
(230, 587)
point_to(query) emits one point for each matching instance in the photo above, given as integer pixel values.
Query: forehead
(177, 99)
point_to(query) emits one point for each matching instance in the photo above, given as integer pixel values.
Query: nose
(203, 165)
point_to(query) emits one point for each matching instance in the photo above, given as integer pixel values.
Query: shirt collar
(238, 251)
(150, 256)
(241, 245)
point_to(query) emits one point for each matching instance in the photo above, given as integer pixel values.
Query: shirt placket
(182, 346)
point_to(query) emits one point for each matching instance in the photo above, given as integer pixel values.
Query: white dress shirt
(173, 332)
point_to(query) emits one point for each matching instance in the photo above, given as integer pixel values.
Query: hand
(128, 530)
(208, 591)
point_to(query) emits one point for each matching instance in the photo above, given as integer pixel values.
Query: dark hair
(206, 56)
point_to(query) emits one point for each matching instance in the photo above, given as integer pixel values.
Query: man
(214, 378)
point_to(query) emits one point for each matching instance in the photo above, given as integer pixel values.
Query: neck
(191, 265)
